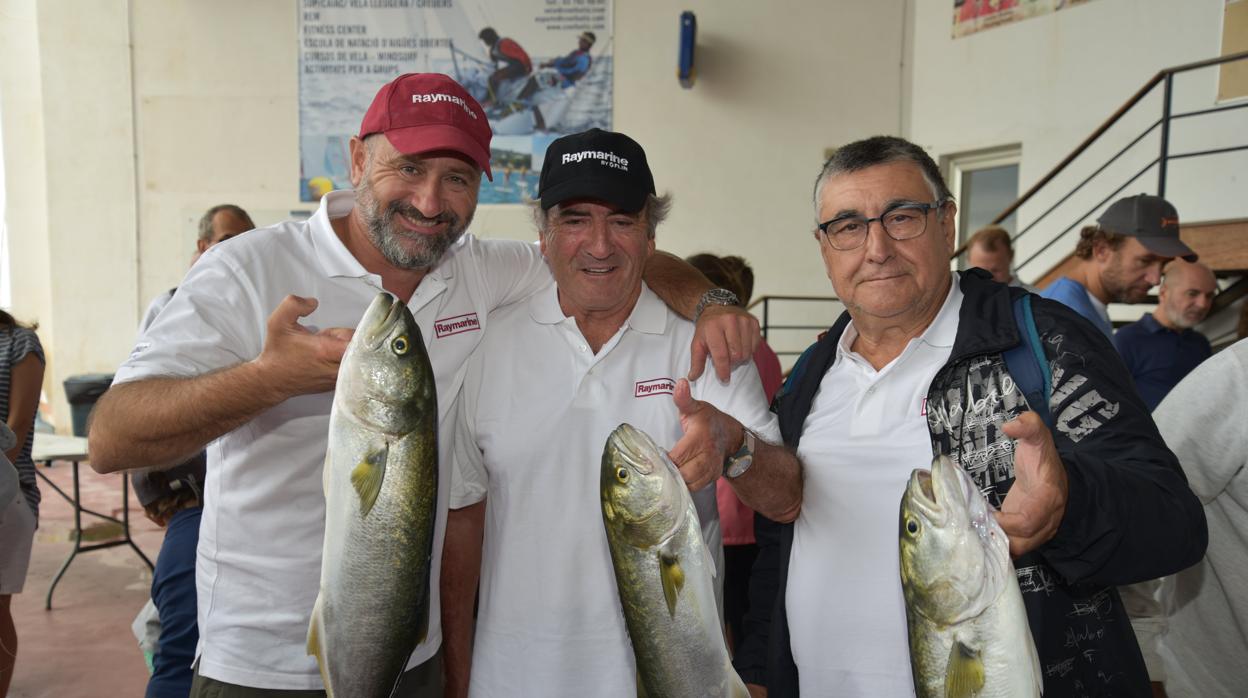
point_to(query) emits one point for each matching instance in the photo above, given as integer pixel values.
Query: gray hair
(205, 223)
(653, 212)
(879, 150)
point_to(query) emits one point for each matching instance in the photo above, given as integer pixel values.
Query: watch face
(739, 466)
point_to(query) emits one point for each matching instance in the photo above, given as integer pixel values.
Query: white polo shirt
(259, 561)
(866, 431)
(534, 415)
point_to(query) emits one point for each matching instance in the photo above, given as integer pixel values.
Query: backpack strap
(1027, 364)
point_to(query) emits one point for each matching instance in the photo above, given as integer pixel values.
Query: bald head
(1186, 295)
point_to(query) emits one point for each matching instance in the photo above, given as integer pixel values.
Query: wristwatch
(739, 462)
(715, 296)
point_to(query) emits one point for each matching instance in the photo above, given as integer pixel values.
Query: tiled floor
(83, 647)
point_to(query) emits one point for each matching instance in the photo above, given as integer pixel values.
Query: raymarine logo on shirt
(440, 97)
(605, 158)
(654, 386)
(456, 325)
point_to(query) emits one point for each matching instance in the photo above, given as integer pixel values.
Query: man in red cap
(228, 366)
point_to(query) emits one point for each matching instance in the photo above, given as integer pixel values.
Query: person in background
(990, 249)
(220, 223)
(1205, 645)
(736, 520)
(21, 375)
(1162, 347)
(173, 500)
(1120, 258)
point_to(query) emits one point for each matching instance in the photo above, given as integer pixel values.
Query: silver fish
(664, 573)
(381, 485)
(967, 624)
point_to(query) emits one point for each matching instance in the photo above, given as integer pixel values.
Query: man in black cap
(1121, 257)
(599, 349)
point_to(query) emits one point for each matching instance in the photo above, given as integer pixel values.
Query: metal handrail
(1165, 75)
(765, 301)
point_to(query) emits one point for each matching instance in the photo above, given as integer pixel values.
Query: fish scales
(381, 482)
(653, 532)
(966, 622)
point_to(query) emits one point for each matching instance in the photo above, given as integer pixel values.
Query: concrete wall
(1046, 83)
(124, 120)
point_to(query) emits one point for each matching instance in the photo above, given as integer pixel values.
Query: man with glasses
(913, 368)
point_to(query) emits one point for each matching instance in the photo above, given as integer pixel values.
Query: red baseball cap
(423, 112)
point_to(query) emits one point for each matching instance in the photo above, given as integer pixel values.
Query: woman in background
(21, 376)
(736, 520)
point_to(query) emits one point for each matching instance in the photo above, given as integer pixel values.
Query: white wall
(120, 150)
(1046, 83)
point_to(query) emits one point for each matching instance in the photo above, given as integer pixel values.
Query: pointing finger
(697, 361)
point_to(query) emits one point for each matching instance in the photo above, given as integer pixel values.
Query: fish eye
(400, 345)
(912, 526)
(622, 474)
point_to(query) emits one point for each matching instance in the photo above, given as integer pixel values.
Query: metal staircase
(1188, 154)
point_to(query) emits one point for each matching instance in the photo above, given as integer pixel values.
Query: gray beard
(390, 239)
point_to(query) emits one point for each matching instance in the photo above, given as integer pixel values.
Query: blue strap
(1027, 364)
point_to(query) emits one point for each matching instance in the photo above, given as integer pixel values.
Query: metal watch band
(715, 296)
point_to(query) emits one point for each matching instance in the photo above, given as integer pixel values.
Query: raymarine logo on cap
(440, 97)
(606, 158)
(654, 386)
(456, 325)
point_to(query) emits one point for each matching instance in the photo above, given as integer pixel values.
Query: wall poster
(540, 68)
(970, 16)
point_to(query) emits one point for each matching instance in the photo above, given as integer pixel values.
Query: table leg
(125, 520)
(77, 540)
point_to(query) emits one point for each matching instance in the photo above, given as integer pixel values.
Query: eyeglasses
(901, 222)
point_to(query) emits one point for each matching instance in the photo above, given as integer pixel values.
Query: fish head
(641, 488)
(954, 556)
(385, 380)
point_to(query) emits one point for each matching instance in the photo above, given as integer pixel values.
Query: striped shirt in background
(15, 344)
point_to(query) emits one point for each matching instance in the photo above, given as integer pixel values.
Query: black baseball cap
(1150, 219)
(596, 164)
(152, 485)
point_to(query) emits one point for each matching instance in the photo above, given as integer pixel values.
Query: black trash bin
(82, 391)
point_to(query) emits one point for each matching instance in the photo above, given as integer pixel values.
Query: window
(984, 182)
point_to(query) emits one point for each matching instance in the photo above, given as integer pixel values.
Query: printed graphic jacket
(1130, 514)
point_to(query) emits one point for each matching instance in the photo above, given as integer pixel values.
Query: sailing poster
(540, 68)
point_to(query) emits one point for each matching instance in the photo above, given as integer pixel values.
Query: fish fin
(314, 645)
(367, 477)
(326, 469)
(673, 578)
(964, 677)
(422, 610)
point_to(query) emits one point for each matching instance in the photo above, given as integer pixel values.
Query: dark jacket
(1130, 515)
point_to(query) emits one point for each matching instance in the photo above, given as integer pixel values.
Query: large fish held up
(664, 573)
(968, 627)
(381, 487)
